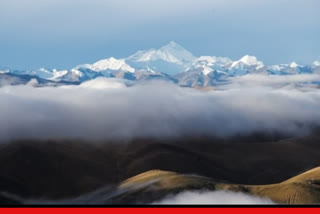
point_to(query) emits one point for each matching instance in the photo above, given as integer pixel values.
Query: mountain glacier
(171, 62)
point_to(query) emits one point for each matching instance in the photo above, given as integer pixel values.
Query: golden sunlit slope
(154, 184)
(301, 189)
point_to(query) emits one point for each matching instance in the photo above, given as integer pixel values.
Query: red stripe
(160, 210)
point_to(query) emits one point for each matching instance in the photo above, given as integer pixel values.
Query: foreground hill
(64, 169)
(154, 185)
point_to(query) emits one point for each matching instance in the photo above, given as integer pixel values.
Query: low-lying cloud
(305, 81)
(195, 197)
(210, 198)
(108, 109)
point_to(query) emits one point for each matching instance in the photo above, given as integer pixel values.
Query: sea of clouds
(112, 108)
(213, 198)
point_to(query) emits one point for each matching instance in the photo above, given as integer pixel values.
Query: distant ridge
(173, 63)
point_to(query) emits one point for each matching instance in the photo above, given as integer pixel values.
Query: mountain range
(171, 62)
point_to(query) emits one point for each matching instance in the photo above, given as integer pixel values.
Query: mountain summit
(169, 59)
(111, 64)
(172, 52)
(248, 61)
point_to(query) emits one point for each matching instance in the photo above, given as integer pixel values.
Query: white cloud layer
(210, 198)
(107, 108)
(102, 83)
(274, 81)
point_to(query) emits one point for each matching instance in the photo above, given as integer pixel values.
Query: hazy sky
(64, 33)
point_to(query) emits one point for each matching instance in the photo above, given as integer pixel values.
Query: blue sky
(64, 33)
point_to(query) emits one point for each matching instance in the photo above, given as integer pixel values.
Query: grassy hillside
(153, 185)
(59, 169)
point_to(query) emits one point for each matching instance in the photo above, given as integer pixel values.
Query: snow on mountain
(316, 63)
(171, 63)
(57, 74)
(277, 69)
(247, 61)
(4, 71)
(196, 78)
(79, 75)
(294, 68)
(293, 65)
(290, 69)
(171, 52)
(170, 59)
(73, 75)
(207, 70)
(104, 68)
(207, 64)
(43, 73)
(245, 65)
(111, 64)
(213, 60)
(25, 79)
(316, 67)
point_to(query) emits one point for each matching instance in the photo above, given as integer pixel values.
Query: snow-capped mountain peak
(247, 60)
(277, 68)
(250, 60)
(172, 45)
(213, 60)
(4, 71)
(293, 65)
(171, 52)
(142, 56)
(208, 64)
(111, 64)
(316, 63)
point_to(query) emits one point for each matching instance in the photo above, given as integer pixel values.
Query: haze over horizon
(62, 34)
